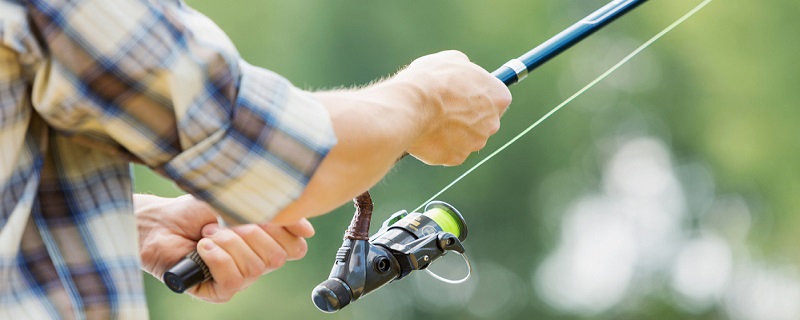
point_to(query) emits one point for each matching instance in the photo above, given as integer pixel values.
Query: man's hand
(441, 108)
(462, 106)
(236, 257)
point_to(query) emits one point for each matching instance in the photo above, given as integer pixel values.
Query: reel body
(406, 242)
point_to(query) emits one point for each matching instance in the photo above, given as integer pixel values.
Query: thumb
(210, 229)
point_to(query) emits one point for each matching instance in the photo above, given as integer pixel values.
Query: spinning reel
(406, 242)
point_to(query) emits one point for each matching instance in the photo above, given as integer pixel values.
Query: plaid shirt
(86, 87)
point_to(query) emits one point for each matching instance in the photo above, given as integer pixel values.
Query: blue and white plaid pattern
(86, 87)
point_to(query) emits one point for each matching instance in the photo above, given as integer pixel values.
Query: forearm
(374, 127)
(440, 108)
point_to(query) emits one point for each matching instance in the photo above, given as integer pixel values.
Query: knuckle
(231, 283)
(455, 163)
(494, 127)
(444, 160)
(219, 298)
(224, 237)
(479, 144)
(235, 283)
(300, 250)
(255, 267)
(505, 98)
(248, 230)
(455, 159)
(455, 53)
(277, 259)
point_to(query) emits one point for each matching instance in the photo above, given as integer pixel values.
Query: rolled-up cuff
(262, 161)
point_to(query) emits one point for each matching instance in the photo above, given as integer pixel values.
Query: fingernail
(210, 230)
(207, 244)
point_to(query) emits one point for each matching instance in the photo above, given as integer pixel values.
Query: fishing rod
(515, 70)
(408, 241)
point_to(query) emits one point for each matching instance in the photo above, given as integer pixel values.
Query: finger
(249, 264)
(302, 228)
(227, 277)
(271, 253)
(502, 98)
(295, 247)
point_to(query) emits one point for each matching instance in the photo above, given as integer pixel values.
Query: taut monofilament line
(571, 98)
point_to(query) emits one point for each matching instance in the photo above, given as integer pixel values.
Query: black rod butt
(190, 271)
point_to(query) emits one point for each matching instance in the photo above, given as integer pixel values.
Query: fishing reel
(406, 242)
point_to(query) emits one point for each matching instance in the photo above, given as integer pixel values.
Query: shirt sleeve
(162, 83)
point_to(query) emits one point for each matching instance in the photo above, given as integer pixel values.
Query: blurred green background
(668, 191)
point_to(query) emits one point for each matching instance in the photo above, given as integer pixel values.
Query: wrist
(411, 101)
(146, 212)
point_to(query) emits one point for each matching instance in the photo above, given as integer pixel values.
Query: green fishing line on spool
(446, 219)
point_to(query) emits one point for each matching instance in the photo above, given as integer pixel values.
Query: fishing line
(571, 98)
